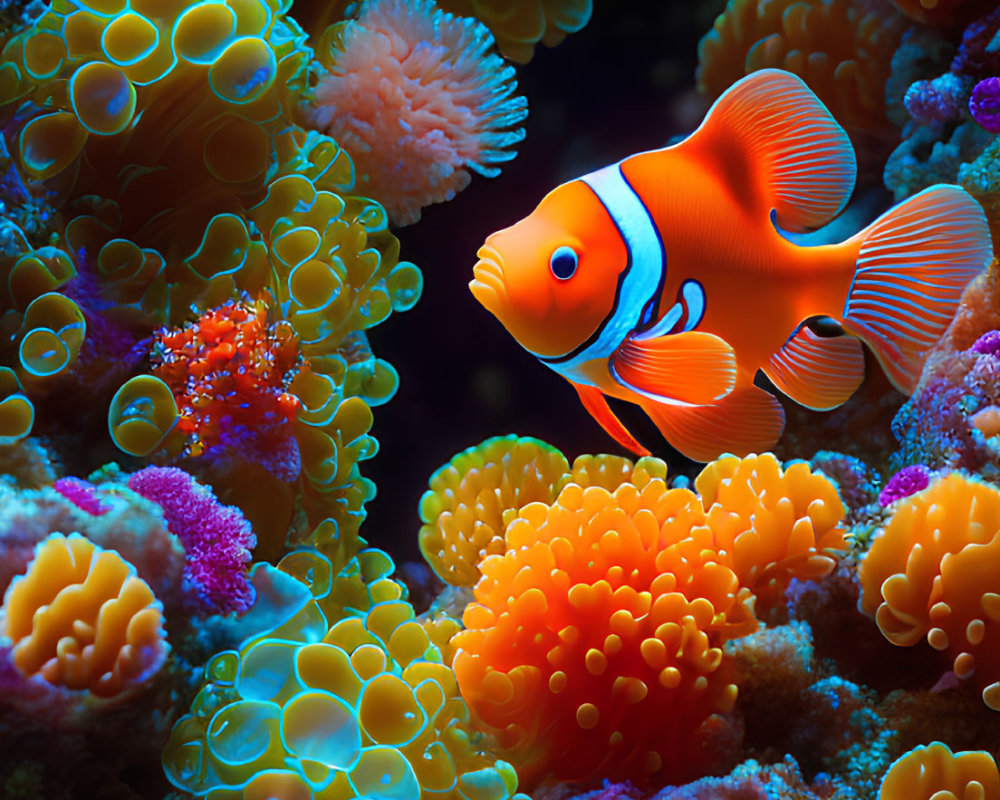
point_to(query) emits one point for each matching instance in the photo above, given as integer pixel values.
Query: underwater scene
(500, 400)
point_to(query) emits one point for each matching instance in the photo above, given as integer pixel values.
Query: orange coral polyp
(82, 619)
(931, 574)
(933, 772)
(229, 368)
(595, 641)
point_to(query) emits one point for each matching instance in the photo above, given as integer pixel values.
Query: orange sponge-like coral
(775, 524)
(417, 99)
(82, 618)
(933, 772)
(931, 573)
(840, 48)
(595, 644)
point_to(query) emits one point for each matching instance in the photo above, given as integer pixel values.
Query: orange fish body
(664, 279)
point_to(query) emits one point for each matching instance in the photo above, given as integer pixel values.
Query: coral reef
(418, 100)
(609, 609)
(82, 619)
(358, 692)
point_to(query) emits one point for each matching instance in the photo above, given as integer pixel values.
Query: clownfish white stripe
(640, 279)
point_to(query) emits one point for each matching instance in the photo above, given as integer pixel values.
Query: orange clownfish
(665, 279)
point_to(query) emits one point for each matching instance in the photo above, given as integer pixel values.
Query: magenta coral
(81, 494)
(217, 539)
(417, 99)
(909, 480)
(984, 105)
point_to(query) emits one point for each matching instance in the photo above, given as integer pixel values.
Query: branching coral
(930, 574)
(418, 100)
(81, 618)
(347, 699)
(933, 772)
(840, 48)
(519, 25)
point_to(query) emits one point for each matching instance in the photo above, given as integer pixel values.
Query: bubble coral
(217, 539)
(349, 698)
(840, 48)
(418, 100)
(519, 25)
(933, 772)
(82, 619)
(930, 574)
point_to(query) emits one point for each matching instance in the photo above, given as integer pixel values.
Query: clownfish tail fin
(913, 265)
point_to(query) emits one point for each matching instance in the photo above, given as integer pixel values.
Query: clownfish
(665, 279)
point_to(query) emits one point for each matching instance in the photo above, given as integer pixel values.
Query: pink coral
(81, 494)
(217, 539)
(417, 99)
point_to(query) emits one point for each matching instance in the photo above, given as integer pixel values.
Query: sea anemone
(418, 99)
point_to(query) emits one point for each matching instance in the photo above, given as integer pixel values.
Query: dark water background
(622, 85)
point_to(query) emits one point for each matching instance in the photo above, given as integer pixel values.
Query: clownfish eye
(563, 262)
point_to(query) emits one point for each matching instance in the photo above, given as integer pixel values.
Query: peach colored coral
(776, 524)
(930, 574)
(418, 100)
(82, 619)
(933, 772)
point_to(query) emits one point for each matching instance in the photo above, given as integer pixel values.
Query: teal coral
(348, 698)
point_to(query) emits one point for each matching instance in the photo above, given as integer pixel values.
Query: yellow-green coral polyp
(142, 413)
(103, 98)
(17, 413)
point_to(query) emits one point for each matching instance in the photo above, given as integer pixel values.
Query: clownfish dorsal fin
(692, 368)
(815, 371)
(769, 131)
(593, 400)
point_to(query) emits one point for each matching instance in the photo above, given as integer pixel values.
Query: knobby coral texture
(209, 208)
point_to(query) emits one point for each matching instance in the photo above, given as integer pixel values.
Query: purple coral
(909, 480)
(984, 105)
(937, 100)
(988, 344)
(81, 494)
(217, 539)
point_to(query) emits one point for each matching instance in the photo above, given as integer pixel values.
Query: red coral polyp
(229, 372)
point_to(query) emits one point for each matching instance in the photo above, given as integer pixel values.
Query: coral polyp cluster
(608, 612)
(81, 618)
(229, 373)
(934, 772)
(930, 575)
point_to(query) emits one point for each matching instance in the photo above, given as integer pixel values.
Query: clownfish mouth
(488, 284)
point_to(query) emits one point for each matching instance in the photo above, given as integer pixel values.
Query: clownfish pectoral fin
(817, 372)
(913, 266)
(747, 420)
(770, 130)
(595, 403)
(692, 368)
